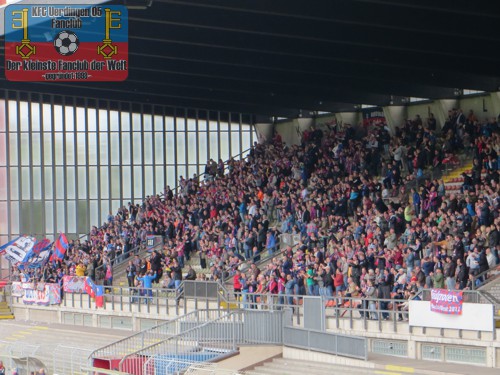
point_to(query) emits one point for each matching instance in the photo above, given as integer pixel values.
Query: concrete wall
(291, 131)
(395, 116)
(264, 131)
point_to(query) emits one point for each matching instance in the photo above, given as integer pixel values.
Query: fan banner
(43, 294)
(446, 301)
(373, 116)
(16, 250)
(17, 289)
(51, 42)
(74, 284)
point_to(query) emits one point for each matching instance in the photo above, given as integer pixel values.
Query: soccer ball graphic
(66, 43)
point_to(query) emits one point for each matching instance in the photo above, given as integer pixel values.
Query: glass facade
(66, 163)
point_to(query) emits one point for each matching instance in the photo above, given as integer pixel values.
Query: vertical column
(98, 163)
(19, 163)
(175, 151)
(264, 128)
(87, 167)
(53, 166)
(7, 164)
(30, 163)
(42, 164)
(441, 108)
(395, 116)
(197, 144)
(131, 150)
(495, 101)
(240, 129)
(153, 151)
(143, 161)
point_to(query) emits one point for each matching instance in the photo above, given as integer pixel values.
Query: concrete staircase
(281, 366)
(5, 311)
(56, 346)
(454, 180)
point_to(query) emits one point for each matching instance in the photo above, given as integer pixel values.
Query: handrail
(264, 259)
(482, 274)
(123, 259)
(180, 335)
(143, 333)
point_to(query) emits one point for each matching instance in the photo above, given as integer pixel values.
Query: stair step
(285, 366)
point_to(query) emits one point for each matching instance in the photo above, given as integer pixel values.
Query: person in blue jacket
(147, 282)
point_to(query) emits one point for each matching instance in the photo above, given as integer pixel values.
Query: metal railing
(69, 360)
(264, 258)
(326, 342)
(119, 263)
(212, 340)
(155, 334)
(203, 294)
(178, 367)
(485, 277)
(20, 356)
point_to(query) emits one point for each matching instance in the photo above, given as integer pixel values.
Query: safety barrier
(209, 341)
(155, 334)
(69, 360)
(20, 357)
(326, 342)
(178, 367)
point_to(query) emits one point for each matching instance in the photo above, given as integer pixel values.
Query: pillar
(395, 116)
(264, 131)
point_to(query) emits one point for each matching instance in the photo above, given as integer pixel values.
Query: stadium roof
(276, 57)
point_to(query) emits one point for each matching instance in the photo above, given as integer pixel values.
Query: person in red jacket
(237, 284)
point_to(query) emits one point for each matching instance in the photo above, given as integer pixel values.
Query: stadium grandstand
(253, 187)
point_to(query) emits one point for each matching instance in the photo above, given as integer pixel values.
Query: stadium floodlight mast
(138, 4)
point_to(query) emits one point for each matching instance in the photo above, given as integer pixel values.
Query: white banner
(420, 315)
(15, 251)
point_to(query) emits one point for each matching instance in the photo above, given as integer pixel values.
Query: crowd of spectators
(344, 192)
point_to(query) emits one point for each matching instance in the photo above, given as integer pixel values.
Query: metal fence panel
(69, 360)
(314, 314)
(324, 342)
(201, 289)
(298, 338)
(349, 346)
(327, 342)
(156, 334)
(262, 327)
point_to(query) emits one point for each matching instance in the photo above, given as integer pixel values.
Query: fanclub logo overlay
(66, 42)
